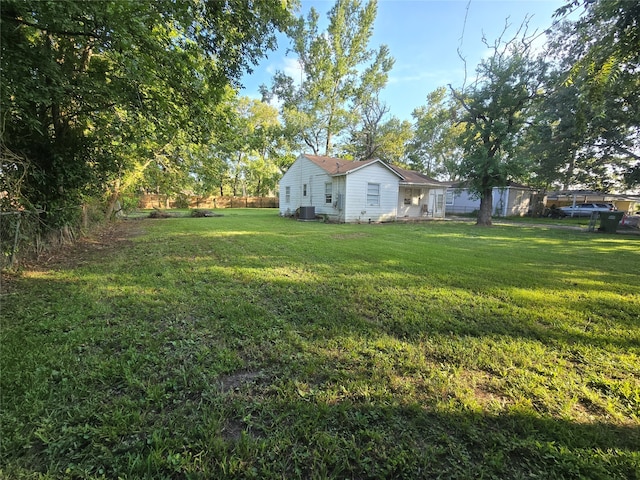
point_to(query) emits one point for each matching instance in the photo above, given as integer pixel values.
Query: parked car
(586, 209)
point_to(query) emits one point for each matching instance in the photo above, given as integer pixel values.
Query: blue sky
(423, 36)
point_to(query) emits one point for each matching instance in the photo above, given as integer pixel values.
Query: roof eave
(423, 184)
(360, 167)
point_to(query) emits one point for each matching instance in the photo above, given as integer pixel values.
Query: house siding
(301, 173)
(507, 201)
(511, 201)
(520, 202)
(340, 198)
(356, 208)
(463, 202)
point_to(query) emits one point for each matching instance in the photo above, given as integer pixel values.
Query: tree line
(105, 98)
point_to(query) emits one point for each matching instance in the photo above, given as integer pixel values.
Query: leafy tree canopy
(92, 91)
(495, 109)
(602, 51)
(339, 74)
(434, 148)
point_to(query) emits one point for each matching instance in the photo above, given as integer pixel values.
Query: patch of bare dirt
(236, 380)
(69, 255)
(100, 240)
(108, 237)
(232, 431)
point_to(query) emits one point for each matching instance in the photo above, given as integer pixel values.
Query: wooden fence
(163, 201)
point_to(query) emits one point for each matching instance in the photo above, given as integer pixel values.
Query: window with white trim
(304, 190)
(373, 194)
(328, 191)
(449, 199)
(287, 194)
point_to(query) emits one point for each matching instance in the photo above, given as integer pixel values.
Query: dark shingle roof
(413, 177)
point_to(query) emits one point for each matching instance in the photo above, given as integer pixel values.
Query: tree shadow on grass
(369, 440)
(113, 359)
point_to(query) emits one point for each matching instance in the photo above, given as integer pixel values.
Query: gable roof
(337, 166)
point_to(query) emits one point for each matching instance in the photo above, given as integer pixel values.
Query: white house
(512, 200)
(349, 191)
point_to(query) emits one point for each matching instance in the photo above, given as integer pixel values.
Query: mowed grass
(252, 346)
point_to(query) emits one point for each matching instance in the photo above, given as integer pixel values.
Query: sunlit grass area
(577, 222)
(252, 346)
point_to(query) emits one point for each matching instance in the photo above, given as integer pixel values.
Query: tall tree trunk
(568, 177)
(111, 205)
(486, 205)
(327, 145)
(114, 195)
(234, 189)
(236, 176)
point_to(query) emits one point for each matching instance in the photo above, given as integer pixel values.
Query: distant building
(513, 200)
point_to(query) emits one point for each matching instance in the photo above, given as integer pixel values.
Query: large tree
(243, 154)
(377, 135)
(563, 141)
(251, 139)
(602, 49)
(91, 91)
(434, 148)
(555, 136)
(496, 108)
(339, 74)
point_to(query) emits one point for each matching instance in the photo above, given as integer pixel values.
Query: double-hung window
(287, 194)
(373, 194)
(328, 190)
(449, 197)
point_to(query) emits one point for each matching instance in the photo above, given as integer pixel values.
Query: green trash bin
(609, 221)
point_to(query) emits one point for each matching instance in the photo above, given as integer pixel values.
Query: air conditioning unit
(307, 213)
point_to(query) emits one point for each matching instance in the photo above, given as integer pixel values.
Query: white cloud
(293, 68)
(287, 65)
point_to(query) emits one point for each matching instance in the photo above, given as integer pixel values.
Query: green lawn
(252, 346)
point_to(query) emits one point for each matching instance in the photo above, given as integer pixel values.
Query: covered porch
(420, 202)
(419, 196)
